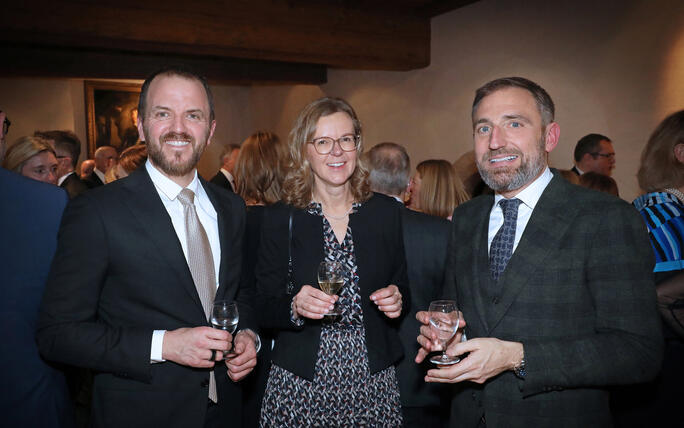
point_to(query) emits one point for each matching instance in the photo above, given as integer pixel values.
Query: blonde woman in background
(435, 189)
(34, 158)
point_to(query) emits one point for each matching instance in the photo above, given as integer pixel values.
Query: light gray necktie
(200, 262)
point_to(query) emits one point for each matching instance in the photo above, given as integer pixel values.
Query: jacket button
(205, 383)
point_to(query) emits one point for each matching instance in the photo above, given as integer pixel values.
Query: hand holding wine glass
(444, 321)
(331, 281)
(225, 316)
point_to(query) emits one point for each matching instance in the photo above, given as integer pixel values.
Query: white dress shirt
(529, 198)
(100, 175)
(64, 177)
(168, 192)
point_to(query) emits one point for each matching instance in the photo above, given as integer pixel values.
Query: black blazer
(73, 185)
(578, 293)
(379, 251)
(93, 180)
(108, 292)
(34, 394)
(425, 242)
(220, 180)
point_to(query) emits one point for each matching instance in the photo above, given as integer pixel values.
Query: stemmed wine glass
(331, 280)
(444, 319)
(225, 316)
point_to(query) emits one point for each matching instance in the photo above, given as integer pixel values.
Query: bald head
(389, 166)
(105, 158)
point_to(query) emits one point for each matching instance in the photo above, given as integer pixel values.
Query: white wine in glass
(331, 280)
(444, 319)
(225, 316)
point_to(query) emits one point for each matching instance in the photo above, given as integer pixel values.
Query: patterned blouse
(664, 217)
(343, 392)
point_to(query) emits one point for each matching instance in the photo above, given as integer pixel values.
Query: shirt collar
(531, 194)
(64, 177)
(99, 174)
(167, 186)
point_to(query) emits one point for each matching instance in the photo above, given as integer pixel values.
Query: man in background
(425, 244)
(594, 153)
(224, 177)
(105, 158)
(87, 167)
(33, 393)
(68, 149)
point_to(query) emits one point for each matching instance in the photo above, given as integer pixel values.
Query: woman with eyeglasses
(34, 158)
(331, 370)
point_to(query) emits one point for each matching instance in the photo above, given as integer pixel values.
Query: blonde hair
(298, 185)
(441, 190)
(24, 149)
(660, 168)
(260, 168)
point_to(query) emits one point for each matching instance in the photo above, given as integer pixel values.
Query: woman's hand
(388, 300)
(312, 303)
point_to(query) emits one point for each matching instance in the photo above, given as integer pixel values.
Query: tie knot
(509, 206)
(186, 197)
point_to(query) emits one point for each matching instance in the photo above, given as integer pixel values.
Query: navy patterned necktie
(502, 245)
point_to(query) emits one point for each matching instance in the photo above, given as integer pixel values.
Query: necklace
(342, 217)
(676, 193)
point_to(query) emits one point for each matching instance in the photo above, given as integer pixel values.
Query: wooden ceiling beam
(335, 33)
(37, 61)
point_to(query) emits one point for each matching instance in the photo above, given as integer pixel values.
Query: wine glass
(331, 280)
(444, 319)
(225, 316)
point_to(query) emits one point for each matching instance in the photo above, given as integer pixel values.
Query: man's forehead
(506, 102)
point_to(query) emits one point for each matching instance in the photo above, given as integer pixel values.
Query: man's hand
(193, 346)
(487, 358)
(428, 338)
(388, 300)
(312, 303)
(244, 358)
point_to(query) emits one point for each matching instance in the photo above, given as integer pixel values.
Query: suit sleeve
(627, 345)
(68, 329)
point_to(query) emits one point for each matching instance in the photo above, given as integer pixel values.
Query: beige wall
(613, 67)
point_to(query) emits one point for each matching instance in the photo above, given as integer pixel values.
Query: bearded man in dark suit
(132, 301)
(554, 281)
(425, 246)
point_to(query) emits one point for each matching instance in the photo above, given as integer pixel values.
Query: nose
(496, 138)
(336, 148)
(178, 124)
(52, 177)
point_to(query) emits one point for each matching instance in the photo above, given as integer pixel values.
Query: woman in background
(129, 160)
(436, 189)
(259, 173)
(337, 371)
(34, 158)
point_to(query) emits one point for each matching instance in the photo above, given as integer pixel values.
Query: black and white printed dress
(343, 392)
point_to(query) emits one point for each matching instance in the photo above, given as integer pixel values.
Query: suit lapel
(544, 232)
(480, 262)
(145, 205)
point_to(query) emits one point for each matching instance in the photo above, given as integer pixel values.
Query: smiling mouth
(177, 143)
(503, 159)
(336, 164)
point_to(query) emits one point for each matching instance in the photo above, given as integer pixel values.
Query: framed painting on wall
(111, 114)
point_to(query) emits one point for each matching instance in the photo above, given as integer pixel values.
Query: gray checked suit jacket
(578, 293)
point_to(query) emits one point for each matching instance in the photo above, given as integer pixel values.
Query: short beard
(512, 179)
(174, 167)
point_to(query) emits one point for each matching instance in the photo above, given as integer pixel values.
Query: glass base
(444, 360)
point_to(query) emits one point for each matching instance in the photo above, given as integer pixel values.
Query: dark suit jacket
(379, 251)
(73, 185)
(578, 293)
(93, 180)
(33, 394)
(119, 273)
(220, 180)
(575, 170)
(425, 243)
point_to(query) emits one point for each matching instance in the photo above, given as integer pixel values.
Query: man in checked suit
(557, 295)
(132, 301)
(425, 245)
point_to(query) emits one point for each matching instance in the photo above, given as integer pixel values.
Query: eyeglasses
(604, 155)
(325, 145)
(5, 125)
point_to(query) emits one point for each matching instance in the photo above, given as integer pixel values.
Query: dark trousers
(425, 417)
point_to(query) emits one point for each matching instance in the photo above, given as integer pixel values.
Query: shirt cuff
(157, 346)
(257, 340)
